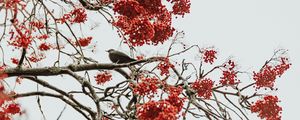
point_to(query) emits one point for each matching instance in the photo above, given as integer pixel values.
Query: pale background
(248, 30)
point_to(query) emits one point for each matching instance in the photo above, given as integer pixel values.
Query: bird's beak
(106, 50)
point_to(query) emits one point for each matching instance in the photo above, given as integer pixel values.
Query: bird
(119, 57)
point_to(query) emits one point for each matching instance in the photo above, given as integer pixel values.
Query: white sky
(249, 30)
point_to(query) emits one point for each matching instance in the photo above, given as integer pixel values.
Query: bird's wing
(120, 54)
(119, 57)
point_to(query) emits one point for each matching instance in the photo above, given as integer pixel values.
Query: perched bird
(119, 57)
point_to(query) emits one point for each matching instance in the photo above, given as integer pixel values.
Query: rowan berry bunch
(103, 77)
(78, 15)
(83, 42)
(267, 75)
(203, 87)
(147, 21)
(267, 108)
(8, 107)
(160, 110)
(165, 66)
(209, 55)
(229, 74)
(146, 86)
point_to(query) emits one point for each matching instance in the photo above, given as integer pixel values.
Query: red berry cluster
(147, 86)
(103, 77)
(284, 65)
(172, 90)
(45, 46)
(229, 75)
(146, 21)
(83, 42)
(24, 34)
(129, 8)
(209, 55)
(15, 61)
(164, 66)
(160, 110)
(43, 37)
(266, 77)
(162, 30)
(12, 108)
(152, 6)
(13, 4)
(203, 87)
(7, 112)
(174, 98)
(77, 15)
(267, 108)
(181, 7)
(22, 38)
(36, 57)
(7, 106)
(37, 24)
(228, 78)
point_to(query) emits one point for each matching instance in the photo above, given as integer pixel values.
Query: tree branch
(52, 71)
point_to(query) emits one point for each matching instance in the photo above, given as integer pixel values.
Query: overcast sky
(248, 30)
